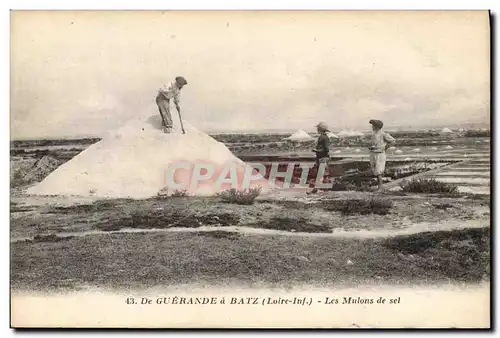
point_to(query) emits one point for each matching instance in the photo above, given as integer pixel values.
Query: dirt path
(381, 233)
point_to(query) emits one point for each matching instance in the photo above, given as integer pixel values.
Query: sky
(84, 73)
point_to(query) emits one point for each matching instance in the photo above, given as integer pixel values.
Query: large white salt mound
(446, 130)
(133, 162)
(299, 135)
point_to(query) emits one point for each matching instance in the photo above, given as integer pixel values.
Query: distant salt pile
(408, 159)
(337, 151)
(331, 135)
(357, 150)
(350, 133)
(434, 141)
(399, 151)
(133, 162)
(434, 148)
(300, 135)
(446, 131)
(416, 150)
(448, 147)
(478, 141)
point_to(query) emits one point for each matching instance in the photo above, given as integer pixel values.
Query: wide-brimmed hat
(323, 126)
(377, 123)
(180, 80)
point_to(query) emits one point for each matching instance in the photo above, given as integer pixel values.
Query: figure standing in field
(380, 142)
(322, 149)
(169, 91)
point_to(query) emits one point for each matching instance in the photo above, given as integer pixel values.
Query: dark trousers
(326, 162)
(164, 108)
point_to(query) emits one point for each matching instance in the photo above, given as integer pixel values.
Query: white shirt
(171, 91)
(379, 141)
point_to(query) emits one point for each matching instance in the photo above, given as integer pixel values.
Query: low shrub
(179, 193)
(243, 197)
(428, 186)
(165, 193)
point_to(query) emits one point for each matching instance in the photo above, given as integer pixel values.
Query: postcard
(250, 169)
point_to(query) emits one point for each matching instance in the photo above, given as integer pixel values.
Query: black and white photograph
(321, 169)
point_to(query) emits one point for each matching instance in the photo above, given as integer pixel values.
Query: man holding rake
(170, 91)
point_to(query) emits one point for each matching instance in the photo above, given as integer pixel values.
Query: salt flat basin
(54, 147)
(486, 167)
(469, 180)
(464, 173)
(435, 306)
(475, 190)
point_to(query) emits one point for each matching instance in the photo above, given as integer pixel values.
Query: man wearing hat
(169, 91)
(322, 149)
(380, 142)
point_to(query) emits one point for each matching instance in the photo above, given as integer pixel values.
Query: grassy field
(290, 257)
(128, 261)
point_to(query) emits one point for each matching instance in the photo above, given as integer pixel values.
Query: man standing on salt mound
(172, 90)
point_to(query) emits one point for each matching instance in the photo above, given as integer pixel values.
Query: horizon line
(260, 131)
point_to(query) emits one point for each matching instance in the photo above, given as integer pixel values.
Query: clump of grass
(294, 224)
(164, 193)
(428, 186)
(50, 238)
(179, 193)
(374, 205)
(243, 197)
